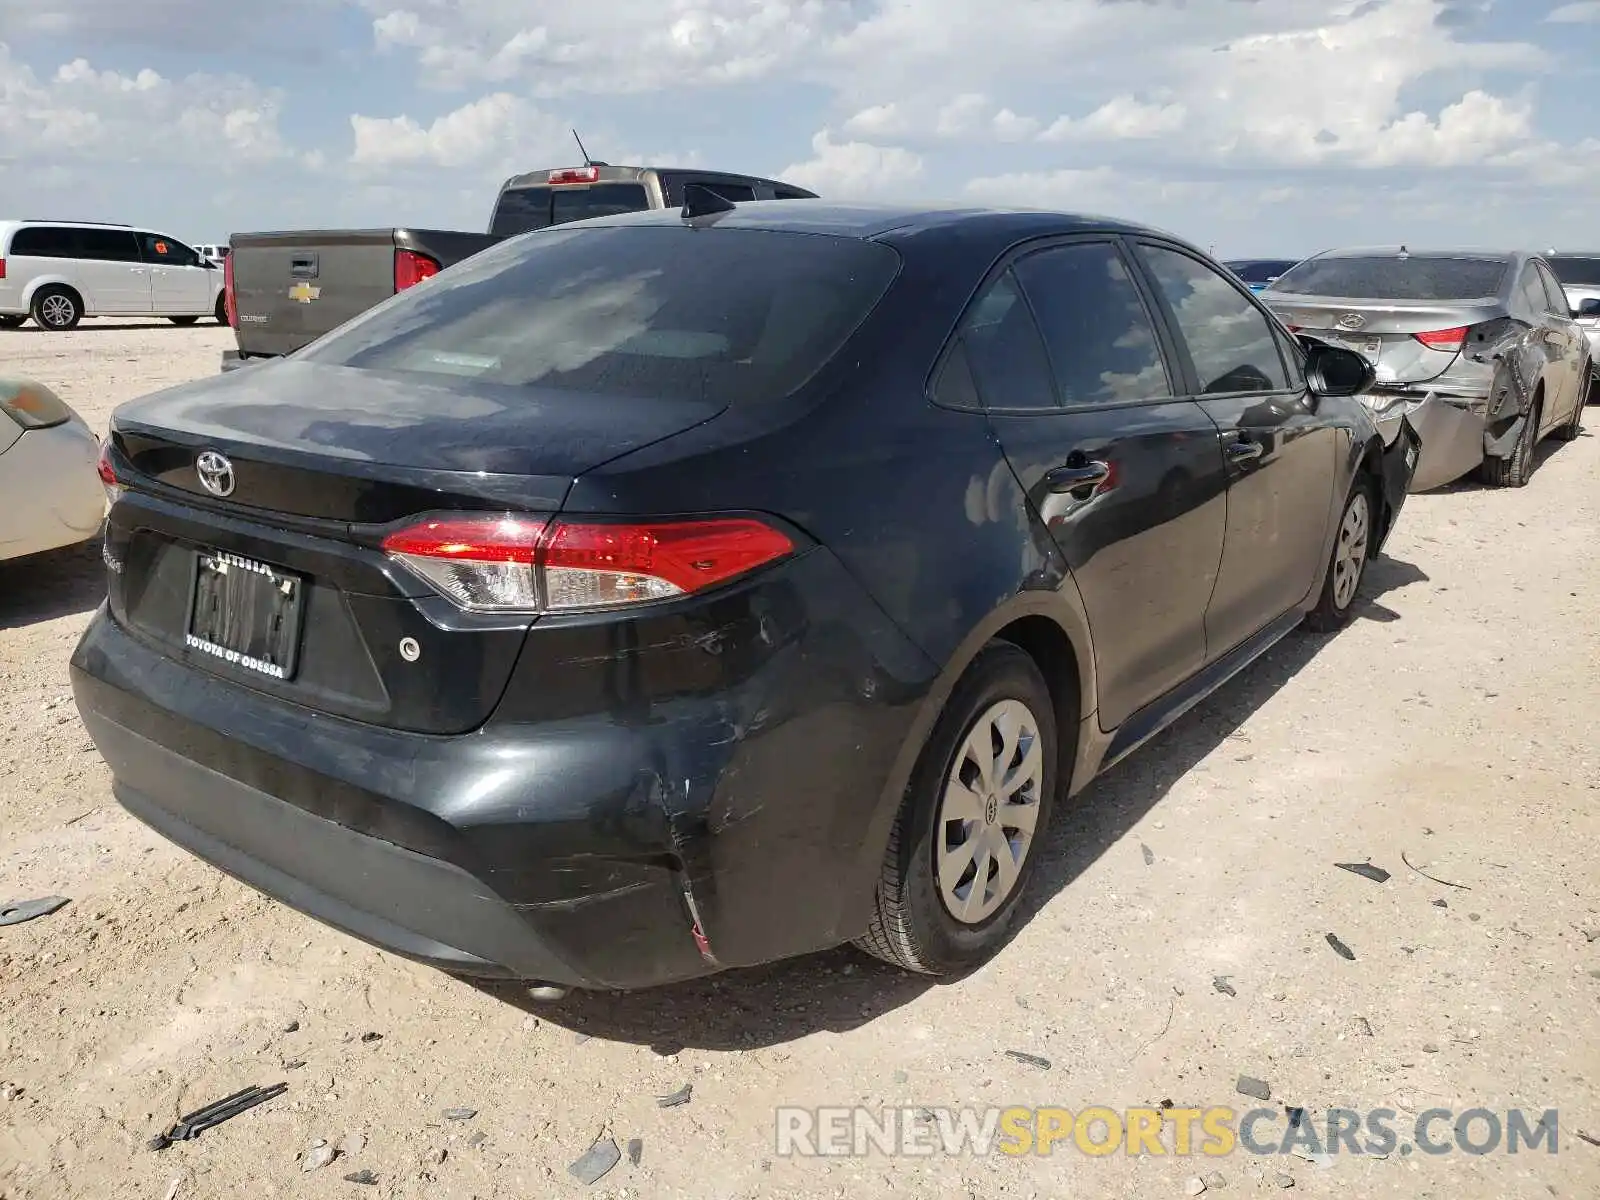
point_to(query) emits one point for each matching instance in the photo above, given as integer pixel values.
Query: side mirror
(1587, 309)
(1335, 371)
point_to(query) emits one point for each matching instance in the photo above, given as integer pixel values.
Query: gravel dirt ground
(1453, 723)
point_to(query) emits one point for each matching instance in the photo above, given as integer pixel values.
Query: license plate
(1369, 348)
(245, 613)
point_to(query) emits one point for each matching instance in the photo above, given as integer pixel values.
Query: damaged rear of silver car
(1477, 351)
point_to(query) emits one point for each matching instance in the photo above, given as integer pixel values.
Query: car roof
(877, 220)
(1434, 252)
(19, 222)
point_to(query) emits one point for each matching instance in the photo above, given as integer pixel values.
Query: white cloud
(1119, 117)
(855, 170)
(1585, 12)
(476, 134)
(81, 114)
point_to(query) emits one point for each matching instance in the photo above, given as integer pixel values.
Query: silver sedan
(1479, 351)
(51, 494)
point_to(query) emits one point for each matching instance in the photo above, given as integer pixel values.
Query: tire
(12, 320)
(57, 308)
(915, 925)
(184, 320)
(221, 312)
(1347, 563)
(1515, 469)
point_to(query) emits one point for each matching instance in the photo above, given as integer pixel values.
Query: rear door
(1127, 477)
(1573, 343)
(179, 284)
(1282, 457)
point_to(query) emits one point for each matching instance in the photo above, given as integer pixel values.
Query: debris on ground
(292, 1027)
(1365, 1026)
(228, 1107)
(173, 1187)
(477, 1139)
(1195, 1186)
(352, 1145)
(1587, 1137)
(10, 1091)
(1341, 949)
(1220, 982)
(18, 911)
(363, 1177)
(1283, 1181)
(1366, 870)
(1029, 1060)
(1149, 854)
(635, 1150)
(1441, 904)
(1445, 882)
(681, 1096)
(596, 1162)
(460, 1114)
(1216, 1180)
(1248, 1086)
(369, 1038)
(319, 1155)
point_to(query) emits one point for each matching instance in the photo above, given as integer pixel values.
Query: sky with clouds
(1252, 126)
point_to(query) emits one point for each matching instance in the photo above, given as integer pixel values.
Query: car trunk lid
(1407, 341)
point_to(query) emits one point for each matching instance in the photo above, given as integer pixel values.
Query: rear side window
(998, 359)
(1531, 290)
(523, 209)
(1576, 271)
(1230, 340)
(783, 193)
(44, 241)
(1390, 277)
(1102, 345)
(730, 316)
(1555, 298)
(159, 249)
(109, 245)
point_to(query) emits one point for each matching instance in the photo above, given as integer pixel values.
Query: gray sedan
(1478, 350)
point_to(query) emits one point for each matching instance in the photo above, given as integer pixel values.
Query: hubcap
(57, 310)
(989, 812)
(1350, 555)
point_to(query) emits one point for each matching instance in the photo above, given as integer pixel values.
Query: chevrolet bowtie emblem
(305, 293)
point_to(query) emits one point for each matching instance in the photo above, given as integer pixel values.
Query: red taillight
(2, 268)
(526, 564)
(1443, 339)
(575, 175)
(411, 268)
(108, 472)
(228, 302)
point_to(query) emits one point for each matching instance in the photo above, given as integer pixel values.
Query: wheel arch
(44, 281)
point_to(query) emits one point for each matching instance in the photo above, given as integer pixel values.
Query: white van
(58, 272)
(217, 254)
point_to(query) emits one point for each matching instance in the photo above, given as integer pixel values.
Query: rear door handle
(1073, 478)
(1245, 450)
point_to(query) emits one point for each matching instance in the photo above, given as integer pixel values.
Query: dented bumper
(1450, 427)
(1401, 457)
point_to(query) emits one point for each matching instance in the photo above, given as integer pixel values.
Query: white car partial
(51, 492)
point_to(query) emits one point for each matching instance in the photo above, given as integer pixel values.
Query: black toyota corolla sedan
(679, 591)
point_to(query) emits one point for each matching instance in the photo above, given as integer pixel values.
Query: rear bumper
(1451, 429)
(582, 851)
(232, 360)
(52, 494)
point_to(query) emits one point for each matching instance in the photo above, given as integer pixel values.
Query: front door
(1282, 458)
(179, 284)
(1571, 343)
(1127, 478)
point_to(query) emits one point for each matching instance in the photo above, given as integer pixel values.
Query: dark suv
(669, 592)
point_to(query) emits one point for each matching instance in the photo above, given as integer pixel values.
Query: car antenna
(701, 201)
(587, 161)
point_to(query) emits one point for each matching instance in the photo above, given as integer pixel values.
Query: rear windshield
(1259, 272)
(701, 314)
(1576, 272)
(1390, 277)
(522, 209)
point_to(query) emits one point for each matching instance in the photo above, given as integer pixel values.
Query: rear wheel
(965, 841)
(1347, 565)
(1515, 469)
(222, 310)
(183, 320)
(57, 308)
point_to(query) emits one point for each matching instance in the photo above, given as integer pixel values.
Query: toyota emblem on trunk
(216, 473)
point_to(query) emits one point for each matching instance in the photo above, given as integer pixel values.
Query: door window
(44, 241)
(1555, 298)
(1531, 290)
(1101, 341)
(159, 249)
(998, 358)
(108, 245)
(1230, 340)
